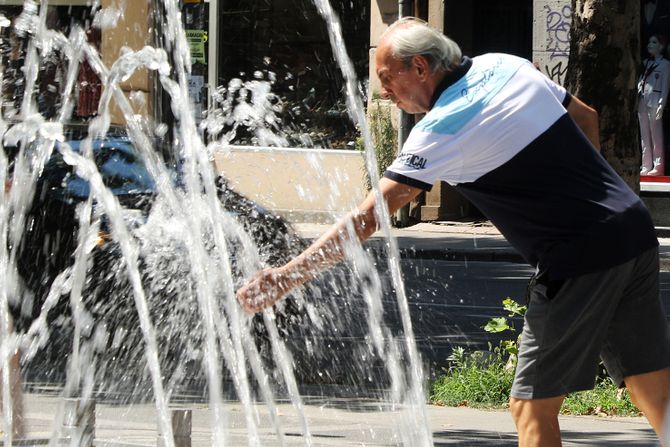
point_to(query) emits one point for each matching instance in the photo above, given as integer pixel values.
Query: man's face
(402, 84)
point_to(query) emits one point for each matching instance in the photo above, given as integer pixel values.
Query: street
(449, 301)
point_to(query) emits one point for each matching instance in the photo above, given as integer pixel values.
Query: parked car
(50, 240)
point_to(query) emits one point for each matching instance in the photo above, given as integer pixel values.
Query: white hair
(409, 37)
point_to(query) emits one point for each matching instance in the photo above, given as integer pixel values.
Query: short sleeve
(558, 91)
(425, 158)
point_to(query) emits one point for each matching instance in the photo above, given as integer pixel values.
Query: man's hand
(270, 285)
(263, 290)
(659, 112)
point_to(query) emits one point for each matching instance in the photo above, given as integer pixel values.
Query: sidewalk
(357, 421)
(462, 240)
(335, 422)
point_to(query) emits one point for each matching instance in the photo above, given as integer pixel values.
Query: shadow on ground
(484, 438)
(635, 437)
(474, 438)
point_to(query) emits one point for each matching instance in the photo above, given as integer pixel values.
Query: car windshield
(122, 171)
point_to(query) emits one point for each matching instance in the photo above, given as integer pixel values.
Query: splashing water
(175, 268)
(416, 430)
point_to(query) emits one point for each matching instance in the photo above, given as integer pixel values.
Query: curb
(462, 255)
(487, 256)
(497, 254)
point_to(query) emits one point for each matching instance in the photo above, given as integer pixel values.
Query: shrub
(384, 137)
(484, 378)
(478, 379)
(604, 400)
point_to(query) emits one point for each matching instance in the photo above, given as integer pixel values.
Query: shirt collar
(451, 78)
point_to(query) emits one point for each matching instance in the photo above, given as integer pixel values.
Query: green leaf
(496, 325)
(513, 307)
(510, 347)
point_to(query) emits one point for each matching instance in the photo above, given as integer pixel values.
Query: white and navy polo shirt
(498, 130)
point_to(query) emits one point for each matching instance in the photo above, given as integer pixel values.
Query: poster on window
(196, 42)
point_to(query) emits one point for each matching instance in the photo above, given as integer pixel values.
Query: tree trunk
(603, 70)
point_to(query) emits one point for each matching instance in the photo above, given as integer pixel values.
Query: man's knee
(516, 407)
(535, 409)
(536, 421)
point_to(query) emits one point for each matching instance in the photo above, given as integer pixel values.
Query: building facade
(286, 43)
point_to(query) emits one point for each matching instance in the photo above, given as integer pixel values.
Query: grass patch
(477, 379)
(604, 400)
(483, 379)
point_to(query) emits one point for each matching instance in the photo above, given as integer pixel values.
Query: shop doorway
(483, 26)
(286, 42)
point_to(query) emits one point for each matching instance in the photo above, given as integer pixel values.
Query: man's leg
(536, 421)
(650, 392)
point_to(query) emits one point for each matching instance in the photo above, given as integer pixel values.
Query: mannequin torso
(653, 85)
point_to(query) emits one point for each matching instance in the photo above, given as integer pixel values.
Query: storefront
(286, 42)
(61, 16)
(654, 85)
(551, 49)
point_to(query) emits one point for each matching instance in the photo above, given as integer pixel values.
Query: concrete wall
(131, 31)
(382, 14)
(551, 37)
(304, 185)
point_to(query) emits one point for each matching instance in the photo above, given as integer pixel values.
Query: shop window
(51, 78)
(655, 68)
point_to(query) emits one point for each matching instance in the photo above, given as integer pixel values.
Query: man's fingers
(249, 309)
(262, 291)
(256, 295)
(248, 297)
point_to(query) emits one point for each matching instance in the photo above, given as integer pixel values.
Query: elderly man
(524, 151)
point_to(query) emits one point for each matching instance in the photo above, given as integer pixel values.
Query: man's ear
(421, 66)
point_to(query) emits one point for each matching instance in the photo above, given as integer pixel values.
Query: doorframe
(213, 50)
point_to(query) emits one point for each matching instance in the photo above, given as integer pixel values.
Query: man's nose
(385, 94)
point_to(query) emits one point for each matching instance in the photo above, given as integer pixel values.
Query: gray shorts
(615, 315)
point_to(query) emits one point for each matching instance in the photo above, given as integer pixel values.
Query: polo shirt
(499, 132)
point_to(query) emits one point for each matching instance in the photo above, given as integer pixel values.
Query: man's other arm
(586, 119)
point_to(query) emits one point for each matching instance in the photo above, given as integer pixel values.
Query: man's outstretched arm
(270, 285)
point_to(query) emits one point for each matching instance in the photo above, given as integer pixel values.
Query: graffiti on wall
(558, 41)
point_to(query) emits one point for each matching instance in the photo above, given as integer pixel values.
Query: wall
(304, 185)
(131, 31)
(659, 207)
(551, 37)
(382, 14)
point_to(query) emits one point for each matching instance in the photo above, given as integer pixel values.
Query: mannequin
(653, 89)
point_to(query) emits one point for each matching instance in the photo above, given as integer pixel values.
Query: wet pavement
(335, 422)
(338, 420)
